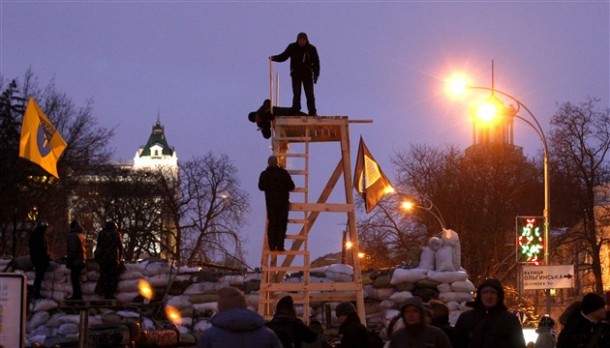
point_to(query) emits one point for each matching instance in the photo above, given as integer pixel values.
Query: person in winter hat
(236, 326)
(76, 249)
(353, 334)
(291, 330)
(277, 184)
(417, 333)
(489, 324)
(39, 254)
(585, 327)
(304, 70)
(546, 333)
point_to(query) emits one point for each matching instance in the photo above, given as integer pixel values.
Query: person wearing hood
(277, 184)
(489, 324)
(236, 326)
(546, 333)
(109, 255)
(291, 330)
(417, 333)
(585, 327)
(304, 70)
(353, 334)
(75, 257)
(39, 254)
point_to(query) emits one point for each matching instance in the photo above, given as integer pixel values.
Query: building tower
(157, 154)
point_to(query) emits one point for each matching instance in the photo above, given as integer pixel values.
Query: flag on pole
(369, 180)
(40, 142)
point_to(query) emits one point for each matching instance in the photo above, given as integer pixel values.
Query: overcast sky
(202, 66)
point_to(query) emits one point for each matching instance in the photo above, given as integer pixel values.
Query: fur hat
(272, 161)
(592, 302)
(230, 298)
(302, 36)
(345, 308)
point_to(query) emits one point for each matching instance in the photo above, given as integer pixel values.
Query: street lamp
(429, 207)
(490, 108)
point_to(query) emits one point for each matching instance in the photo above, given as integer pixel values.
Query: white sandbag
(198, 288)
(148, 324)
(137, 267)
(319, 280)
(453, 306)
(339, 277)
(408, 275)
(36, 339)
(444, 287)
(67, 329)
(128, 285)
(88, 288)
(70, 318)
(127, 297)
(159, 280)
(453, 317)
(181, 278)
(387, 304)
(93, 275)
(454, 296)
(55, 320)
(187, 269)
(380, 294)
(186, 321)
(452, 239)
(180, 302)
(426, 259)
(206, 306)
(463, 286)
(39, 318)
(444, 259)
(447, 277)
(182, 329)
(45, 305)
(56, 296)
(340, 268)
(202, 325)
(131, 275)
(233, 280)
(128, 314)
(401, 296)
(155, 268)
(252, 276)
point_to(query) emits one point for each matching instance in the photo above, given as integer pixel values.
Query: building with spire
(156, 154)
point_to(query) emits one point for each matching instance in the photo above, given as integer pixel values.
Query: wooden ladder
(291, 140)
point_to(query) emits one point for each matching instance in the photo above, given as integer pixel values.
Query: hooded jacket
(75, 246)
(277, 184)
(420, 334)
(291, 330)
(492, 327)
(239, 328)
(304, 61)
(353, 333)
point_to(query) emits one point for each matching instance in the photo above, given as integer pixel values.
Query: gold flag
(40, 142)
(369, 180)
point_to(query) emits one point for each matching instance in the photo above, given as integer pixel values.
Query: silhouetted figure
(584, 327)
(304, 70)
(75, 257)
(353, 333)
(547, 337)
(440, 319)
(108, 254)
(417, 332)
(277, 184)
(39, 254)
(291, 330)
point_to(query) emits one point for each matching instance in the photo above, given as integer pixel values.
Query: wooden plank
(322, 207)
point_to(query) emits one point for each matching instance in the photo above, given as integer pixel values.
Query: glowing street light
(494, 108)
(431, 208)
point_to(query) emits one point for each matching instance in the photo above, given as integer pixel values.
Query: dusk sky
(202, 66)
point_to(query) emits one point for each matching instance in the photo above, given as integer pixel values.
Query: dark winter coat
(303, 60)
(291, 330)
(277, 184)
(39, 252)
(75, 247)
(353, 333)
(109, 249)
(429, 337)
(492, 327)
(578, 331)
(238, 328)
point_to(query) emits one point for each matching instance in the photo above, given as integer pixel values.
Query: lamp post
(511, 111)
(430, 208)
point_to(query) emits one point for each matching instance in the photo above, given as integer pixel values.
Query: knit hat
(285, 305)
(272, 161)
(302, 36)
(230, 298)
(592, 302)
(345, 308)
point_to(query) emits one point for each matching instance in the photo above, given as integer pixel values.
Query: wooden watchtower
(291, 140)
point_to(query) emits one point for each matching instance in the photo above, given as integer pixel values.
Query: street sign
(12, 310)
(548, 277)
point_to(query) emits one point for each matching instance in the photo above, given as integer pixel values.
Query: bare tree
(580, 141)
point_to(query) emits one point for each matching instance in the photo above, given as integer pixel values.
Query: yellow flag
(369, 180)
(40, 142)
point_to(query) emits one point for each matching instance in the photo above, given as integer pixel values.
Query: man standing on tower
(277, 184)
(304, 70)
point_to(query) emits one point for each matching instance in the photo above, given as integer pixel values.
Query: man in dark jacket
(108, 254)
(236, 326)
(417, 333)
(584, 328)
(291, 330)
(39, 254)
(489, 324)
(75, 257)
(353, 333)
(304, 70)
(277, 184)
